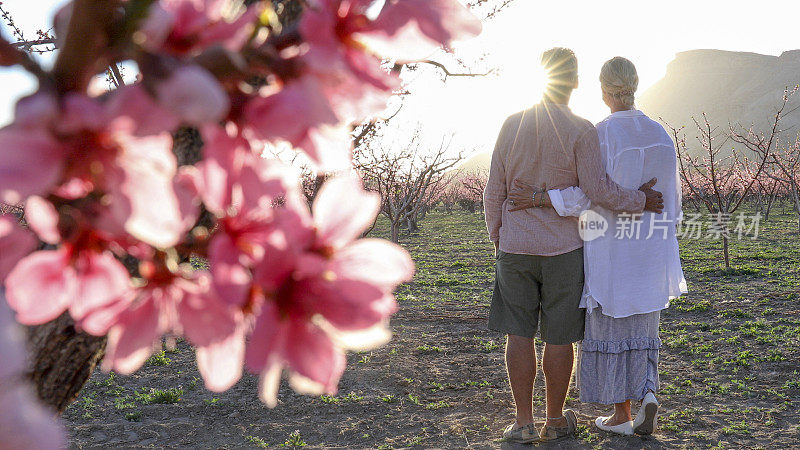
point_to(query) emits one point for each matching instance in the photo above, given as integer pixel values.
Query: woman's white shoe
(625, 428)
(647, 418)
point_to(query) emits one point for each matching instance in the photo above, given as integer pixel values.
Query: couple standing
(548, 167)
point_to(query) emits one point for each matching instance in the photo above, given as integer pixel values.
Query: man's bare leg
(557, 365)
(521, 366)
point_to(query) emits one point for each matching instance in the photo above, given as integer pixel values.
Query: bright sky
(647, 33)
(474, 108)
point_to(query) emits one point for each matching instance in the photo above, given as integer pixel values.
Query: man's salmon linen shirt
(554, 149)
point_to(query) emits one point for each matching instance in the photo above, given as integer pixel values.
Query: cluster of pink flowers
(289, 285)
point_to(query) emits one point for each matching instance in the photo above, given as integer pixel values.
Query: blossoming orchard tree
(722, 183)
(111, 219)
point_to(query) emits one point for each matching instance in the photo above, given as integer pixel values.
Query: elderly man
(539, 273)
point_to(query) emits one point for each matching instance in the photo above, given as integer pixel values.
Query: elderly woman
(632, 265)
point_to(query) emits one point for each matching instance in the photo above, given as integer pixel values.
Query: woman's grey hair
(619, 79)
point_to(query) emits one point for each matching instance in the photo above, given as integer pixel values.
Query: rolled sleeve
(569, 202)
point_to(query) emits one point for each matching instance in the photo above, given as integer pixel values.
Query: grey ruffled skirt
(619, 357)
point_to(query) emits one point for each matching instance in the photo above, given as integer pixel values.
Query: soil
(729, 367)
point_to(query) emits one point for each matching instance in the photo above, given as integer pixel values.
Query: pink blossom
(42, 218)
(235, 181)
(339, 284)
(30, 163)
(15, 243)
(147, 116)
(346, 47)
(180, 304)
(24, 423)
(411, 30)
(89, 147)
(194, 95)
(353, 80)
(180, 27)
(316, 362)
(46, 283)
(144, 170)
(301, 115)
(240, 188)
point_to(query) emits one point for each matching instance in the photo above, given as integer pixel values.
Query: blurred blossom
(289, 286)
(24, 423)
(181, 27)
(46, 283)
(193, 95)
(172, 303)
(332, 283)
(300, 115)
(15, 243)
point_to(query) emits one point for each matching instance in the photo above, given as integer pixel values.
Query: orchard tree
(407, 178)
(473, 184)
(783, 167)
(722, 183)
(289, 287)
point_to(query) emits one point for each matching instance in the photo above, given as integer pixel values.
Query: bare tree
(406, 178)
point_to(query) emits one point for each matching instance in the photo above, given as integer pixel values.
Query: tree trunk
(62, 360)
(413, 227)
(797, 208)
(395, 232)
(725, 251)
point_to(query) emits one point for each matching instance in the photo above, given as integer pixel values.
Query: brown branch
(448, 73)
(26, 45)
(81, 54)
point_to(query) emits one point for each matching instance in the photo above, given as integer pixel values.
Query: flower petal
(311, 354)
(347, 304)
(232, 280)
(99, 320)
(220, 362)
(374, 261)
(26, 424)
(269, 383)
(40, 287)
(12, 343)
(194, 95)
(343, 210)
(131, 340)
(267, 339)
(100, 280)
(410, 30)
(30, 163)
(42, 217)
(148, 167)
(15, 243)
(147, 116)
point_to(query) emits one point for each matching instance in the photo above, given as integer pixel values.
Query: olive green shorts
(533, 292)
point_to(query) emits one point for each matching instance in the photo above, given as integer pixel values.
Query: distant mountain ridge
(730, 87)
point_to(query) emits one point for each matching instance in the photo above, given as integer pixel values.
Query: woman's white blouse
(633, 267)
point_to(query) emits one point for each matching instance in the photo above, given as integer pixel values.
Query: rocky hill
(730, 87)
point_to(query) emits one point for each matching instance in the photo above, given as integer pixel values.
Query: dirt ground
(729, 366)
